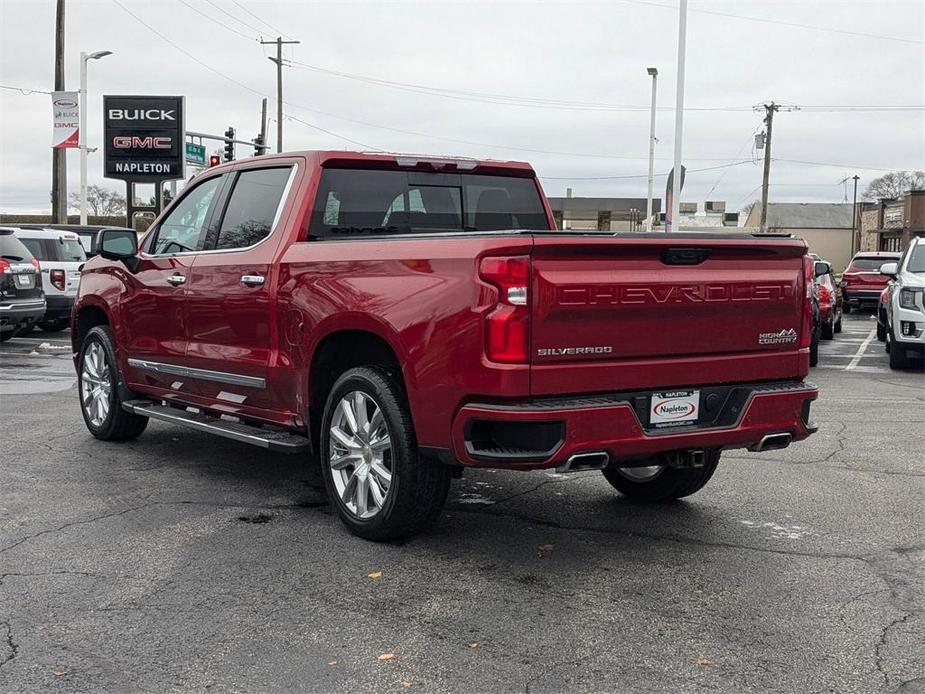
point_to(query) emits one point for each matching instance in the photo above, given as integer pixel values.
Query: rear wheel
(847, 308)
(660, 482)
(99, 385)
(828, 331)
(814, 350)
(6, 335)
(838, 324)
(379, 484)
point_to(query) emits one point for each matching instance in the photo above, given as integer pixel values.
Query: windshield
(869, 264)
(353, 202)
(916, 261)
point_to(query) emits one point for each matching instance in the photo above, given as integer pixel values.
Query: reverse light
(58, 279)
(507, 325)
(806, 330)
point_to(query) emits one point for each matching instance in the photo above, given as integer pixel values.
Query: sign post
(144, 143)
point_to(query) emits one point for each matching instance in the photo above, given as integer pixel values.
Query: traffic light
(214, 160)
(229, 144)
(259, 147)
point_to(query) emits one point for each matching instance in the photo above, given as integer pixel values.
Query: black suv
(22, 301)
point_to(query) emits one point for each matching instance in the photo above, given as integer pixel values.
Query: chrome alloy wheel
(360, 454)
(95, 384)
(641, 474)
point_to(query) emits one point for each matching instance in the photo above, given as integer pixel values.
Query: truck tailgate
(614, 313)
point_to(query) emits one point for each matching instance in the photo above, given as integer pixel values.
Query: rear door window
(252, 207)
(360, 203)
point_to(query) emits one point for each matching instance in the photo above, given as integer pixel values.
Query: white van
(61, 255)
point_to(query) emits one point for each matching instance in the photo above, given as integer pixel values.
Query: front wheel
(660, 482)
(898, 358)
(380, 485)
(98, 383)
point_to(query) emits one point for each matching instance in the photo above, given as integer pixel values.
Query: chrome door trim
(253, 280)
(204, 374)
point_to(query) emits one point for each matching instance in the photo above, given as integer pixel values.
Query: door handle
(176, 280)
(253, 280)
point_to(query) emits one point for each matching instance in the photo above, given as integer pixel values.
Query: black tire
(53, 326)
(117, 425)
(881, 331)
(671, 483)
(814, 350)
(846, 309)
(418, 487)
(828, 331)
(838, 325)
(6, 335)
(898, 358)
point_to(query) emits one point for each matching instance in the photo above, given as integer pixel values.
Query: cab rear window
(868, 264)
(361, 203)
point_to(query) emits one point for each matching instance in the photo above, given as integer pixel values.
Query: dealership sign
(144, 137)
(66, 120)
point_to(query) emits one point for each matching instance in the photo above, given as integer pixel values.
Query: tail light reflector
(58, 279)
(806, 330)
(507, 325)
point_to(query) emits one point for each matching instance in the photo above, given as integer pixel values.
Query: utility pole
(263, 125)
(279, 87)
(678, 120)
(770, 109)
(855, 241)
(654, 72)
(58, 155)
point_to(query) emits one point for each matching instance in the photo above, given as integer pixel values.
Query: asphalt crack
(10, 643)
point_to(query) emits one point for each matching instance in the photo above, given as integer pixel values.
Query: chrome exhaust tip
(772, 442)
(585, 461)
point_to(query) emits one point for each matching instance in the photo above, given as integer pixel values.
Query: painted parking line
(863, 348)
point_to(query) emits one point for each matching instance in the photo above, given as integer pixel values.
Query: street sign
(144, 137)
(195, 154)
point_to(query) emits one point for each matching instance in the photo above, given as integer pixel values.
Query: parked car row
(828, 306)
(40, 274)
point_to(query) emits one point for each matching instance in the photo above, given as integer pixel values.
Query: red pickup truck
(404, 317)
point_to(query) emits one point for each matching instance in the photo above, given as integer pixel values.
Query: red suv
(404, 317)
(862, 282)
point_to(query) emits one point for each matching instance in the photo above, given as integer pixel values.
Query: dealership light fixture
(84, 57)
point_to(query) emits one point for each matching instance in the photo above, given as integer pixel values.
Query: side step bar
(272, 440)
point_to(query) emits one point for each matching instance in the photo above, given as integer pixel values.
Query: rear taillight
(4, 267)
(825, 296)
(58, 279)
(806, 331)
(507, 324)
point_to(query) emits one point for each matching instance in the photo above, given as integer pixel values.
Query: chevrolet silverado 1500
(402, 318)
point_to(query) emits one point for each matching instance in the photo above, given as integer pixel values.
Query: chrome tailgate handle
(253, 280)
(176, 280)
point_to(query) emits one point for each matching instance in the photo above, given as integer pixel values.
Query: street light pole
(654, 72)
(84, 57)
(678, 120)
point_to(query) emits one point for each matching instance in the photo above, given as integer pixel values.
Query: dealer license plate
(25, 281)
(674, 408)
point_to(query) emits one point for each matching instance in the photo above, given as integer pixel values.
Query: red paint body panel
(666, 326)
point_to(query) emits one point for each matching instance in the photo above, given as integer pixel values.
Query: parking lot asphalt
(181, 562)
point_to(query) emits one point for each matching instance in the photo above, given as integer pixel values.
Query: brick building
(888, 225)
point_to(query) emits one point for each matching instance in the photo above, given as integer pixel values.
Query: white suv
(61, 255)
(905, 310)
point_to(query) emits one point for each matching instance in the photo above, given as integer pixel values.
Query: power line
(261, 20)
(660, 175)
(24, 91)
(782, 22)
(228, 14)
(216, 21)
(365, 146)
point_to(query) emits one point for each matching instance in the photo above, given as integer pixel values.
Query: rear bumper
(564, 427)
(58, 306)
(15, 314)
(863, 295)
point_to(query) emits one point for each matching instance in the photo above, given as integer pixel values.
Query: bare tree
(101, 202)
(748, 208)
(894, 185)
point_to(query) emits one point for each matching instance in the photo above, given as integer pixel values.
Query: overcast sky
(542, 53)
